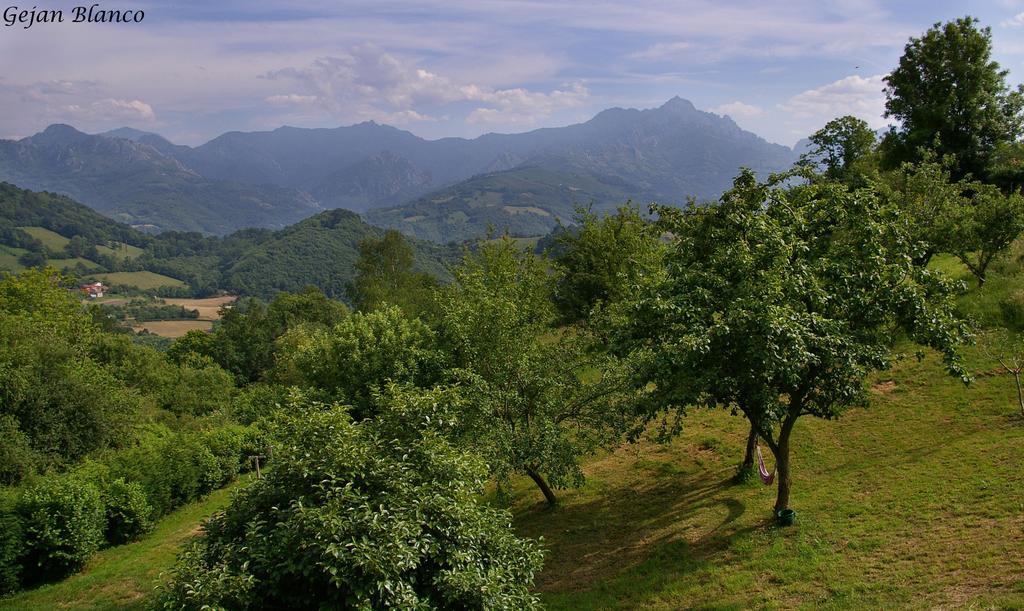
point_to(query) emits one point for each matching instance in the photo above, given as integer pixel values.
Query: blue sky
(193, 70)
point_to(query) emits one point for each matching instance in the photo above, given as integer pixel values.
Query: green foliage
(358, 355)
(984, 228)
(243, 341)
(64, 520)
(385, 275)
(17, 458)
(12, 545)
(779, 302)
(839, 146)
(949, 95)
(928, 200)
(532, 407)
(602, 258)
(367, 515)
(64, 402)
(257, 401)
(128, 512)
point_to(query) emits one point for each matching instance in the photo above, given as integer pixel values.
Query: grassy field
(141, 280)
(50, 239)
(913, 502)
(173, 329)
(123, 251)
(123, 577)
(67, 264)
(208, 308)
(9, 258)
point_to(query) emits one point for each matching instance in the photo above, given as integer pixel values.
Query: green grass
(141, 280)
(9, 258)
(50, 239)
(912, 502)
(67, 264)
(123, 577)
(122, 251)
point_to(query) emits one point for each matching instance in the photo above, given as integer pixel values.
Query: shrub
(359, 515)
(257, 401)
(64, 521)
(128, 513)
(12, 546)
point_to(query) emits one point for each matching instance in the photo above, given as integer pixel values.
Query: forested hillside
(46, 229)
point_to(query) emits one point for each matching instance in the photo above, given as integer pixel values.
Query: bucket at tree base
(786, 517)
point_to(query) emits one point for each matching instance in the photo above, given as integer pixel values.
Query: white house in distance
(94, 289)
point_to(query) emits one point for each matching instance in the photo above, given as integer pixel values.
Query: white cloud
(1014, 22)
(854, 95)
(371, 83)
(111, 109)
(662, 50)
(738, 109)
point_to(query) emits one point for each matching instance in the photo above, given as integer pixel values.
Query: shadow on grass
(670, 523)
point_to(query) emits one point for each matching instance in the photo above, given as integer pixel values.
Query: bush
(12, 547)
(64, 520)
(365, 515)
(257, 401)
(128, 512)
(230, 446)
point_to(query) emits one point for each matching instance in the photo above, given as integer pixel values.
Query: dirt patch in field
(174, 328)
(209, 308)
(883, 388)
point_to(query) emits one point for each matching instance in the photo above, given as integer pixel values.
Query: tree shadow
(597, 541)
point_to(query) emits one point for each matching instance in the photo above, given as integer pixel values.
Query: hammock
(766, 477)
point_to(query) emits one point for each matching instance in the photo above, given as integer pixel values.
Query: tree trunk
(543, 485)
(748, 459)
(1020, 396)
(781, 451)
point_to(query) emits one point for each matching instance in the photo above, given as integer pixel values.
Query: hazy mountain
(135, 183)
(444, 189)
(379, 179)
(665, 154)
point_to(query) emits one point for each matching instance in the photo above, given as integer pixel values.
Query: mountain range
(449, 189)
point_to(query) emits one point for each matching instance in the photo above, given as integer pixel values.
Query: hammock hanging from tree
(766, 477)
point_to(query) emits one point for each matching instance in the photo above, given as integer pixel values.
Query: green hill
(526, 201)
(321, 250)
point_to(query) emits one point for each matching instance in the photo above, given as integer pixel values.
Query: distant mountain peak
(129, 133)
(678, 104)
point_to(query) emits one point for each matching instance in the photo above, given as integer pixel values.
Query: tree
(930, 204)
(540, 397)
(602, 258)
(385, 275)
(839, 146)
(1007, 349)
(779, 302)
(369, 515)
(949, 95)
(985, 227)
(359, 355)
(243, 341)
(1006, 167)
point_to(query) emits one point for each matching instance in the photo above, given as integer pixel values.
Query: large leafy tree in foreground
(779, 302)
(540, 397)
(949, 95)
(371, 515)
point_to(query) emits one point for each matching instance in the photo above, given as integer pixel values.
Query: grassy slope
(123, 577)
(50, 239)
(141, 280)
(914, 501)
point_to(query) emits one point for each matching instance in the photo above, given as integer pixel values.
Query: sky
(192, 70)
